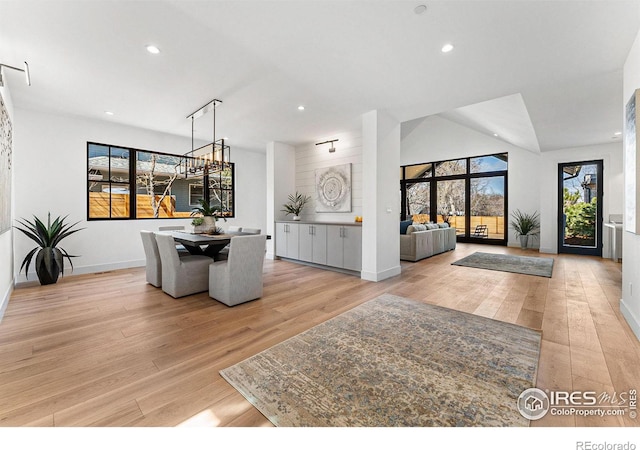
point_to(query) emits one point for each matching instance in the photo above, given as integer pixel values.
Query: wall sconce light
(25, 70)
(332, 149)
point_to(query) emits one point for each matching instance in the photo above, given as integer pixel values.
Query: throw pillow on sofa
(404, 224)
(416, 227)
(443, 225)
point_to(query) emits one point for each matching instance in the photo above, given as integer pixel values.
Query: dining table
(202, 243)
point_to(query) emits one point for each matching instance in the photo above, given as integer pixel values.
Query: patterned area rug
(542, 267)
(394, 362)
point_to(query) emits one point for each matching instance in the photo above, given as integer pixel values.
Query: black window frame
(133, 186)
(467, 177)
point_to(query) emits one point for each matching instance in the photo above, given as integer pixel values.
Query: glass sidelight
(580, 208)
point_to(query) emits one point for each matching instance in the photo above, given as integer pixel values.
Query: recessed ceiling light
(420, 9)
(300, 108)
(446, 48)
(109, 113)
(495, 134)
(618, 133)
(153, 49)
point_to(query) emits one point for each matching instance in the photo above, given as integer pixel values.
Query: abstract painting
(333, 189)
(5, 168)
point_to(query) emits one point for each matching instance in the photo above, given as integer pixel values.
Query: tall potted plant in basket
(49, 257)
(296, 204)
(525, 225)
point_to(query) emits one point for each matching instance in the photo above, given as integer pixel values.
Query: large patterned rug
(542, 267)
(394, 362)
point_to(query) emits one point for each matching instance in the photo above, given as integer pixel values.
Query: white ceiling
(560, 63)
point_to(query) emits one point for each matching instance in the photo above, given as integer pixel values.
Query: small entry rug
(542, 267)
(394, 362)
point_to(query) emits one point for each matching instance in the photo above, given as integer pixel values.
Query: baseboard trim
(632, 320)
(4, 302)
(321, 266)
(81, 270)
(379, 276)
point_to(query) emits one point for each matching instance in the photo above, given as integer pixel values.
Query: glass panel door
(419, 200)
(487, 208)
(451, 204)
(580, 208)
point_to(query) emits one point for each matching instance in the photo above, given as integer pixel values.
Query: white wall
(611, 156)
(630, 302)
(50, 175)
(435, 139)
(6, 238)
(250, 182)
(280, 175)
(310, 157)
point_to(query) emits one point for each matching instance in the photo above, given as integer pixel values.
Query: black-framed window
(127, 183)
(469, 193)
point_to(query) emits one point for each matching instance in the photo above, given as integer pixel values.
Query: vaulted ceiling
(557, 64)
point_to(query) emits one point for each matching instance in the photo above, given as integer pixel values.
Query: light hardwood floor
(110, 350)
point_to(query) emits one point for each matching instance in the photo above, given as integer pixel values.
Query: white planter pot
(524, 241)
(209, 223)
(296, 217)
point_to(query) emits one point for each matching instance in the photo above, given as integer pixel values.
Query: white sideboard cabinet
(287, 239)
(336, 245)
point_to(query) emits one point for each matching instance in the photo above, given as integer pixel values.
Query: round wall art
(333, 189)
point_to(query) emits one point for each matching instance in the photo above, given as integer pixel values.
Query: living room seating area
(421, 241)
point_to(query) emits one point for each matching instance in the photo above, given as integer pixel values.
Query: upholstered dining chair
(181, 275)
(182, 251)
(152, 255)
(239, 278)
(251, 230)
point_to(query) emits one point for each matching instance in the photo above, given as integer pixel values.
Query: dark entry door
(580, 208)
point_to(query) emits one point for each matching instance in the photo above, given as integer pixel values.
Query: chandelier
(213, 158)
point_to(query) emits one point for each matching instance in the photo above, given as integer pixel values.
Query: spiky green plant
(296, 203)
(49, 257)
(204, 209)
(525, 224)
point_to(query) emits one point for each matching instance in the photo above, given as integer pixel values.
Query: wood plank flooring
(110, 350)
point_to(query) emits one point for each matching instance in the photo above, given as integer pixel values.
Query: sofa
(421, 241)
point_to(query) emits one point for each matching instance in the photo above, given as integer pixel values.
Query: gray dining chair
(239, 278)
(152, 255)
(182, 251)
(251, 230)
(181, 275)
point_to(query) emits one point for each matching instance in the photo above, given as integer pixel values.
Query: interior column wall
(381, 204)
(281, 176)
(630, 302)
(6, 238)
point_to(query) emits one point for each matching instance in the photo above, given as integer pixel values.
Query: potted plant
(525, 225)
(49, 257)
(295, 205)
(208, 215)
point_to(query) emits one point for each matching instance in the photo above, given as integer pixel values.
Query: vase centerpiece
(205, 218)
